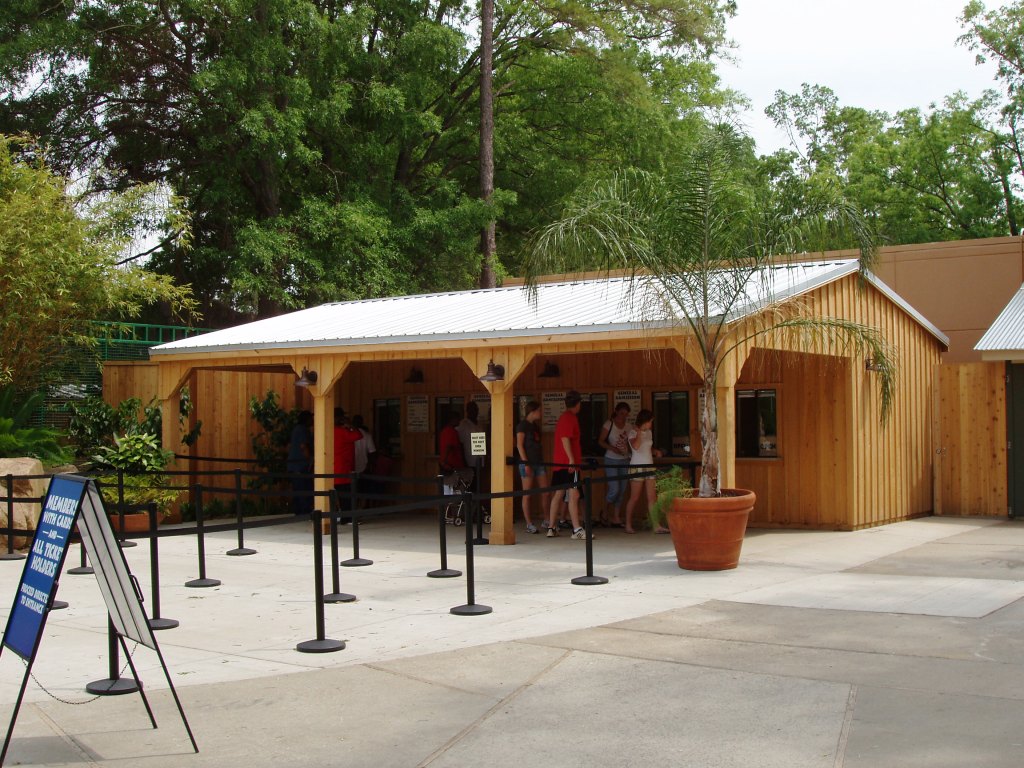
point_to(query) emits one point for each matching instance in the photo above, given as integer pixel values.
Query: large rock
(25, 513)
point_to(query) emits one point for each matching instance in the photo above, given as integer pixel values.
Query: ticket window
(671, 423)
(756, 423)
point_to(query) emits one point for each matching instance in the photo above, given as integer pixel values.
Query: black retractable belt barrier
(355, 561)
(471, 608)
(115, 685)
(10, 554)
(121, 538)
(241, 550)
(202, 581)
(444, 572)
(83, 566)
(157, 621)
(321, 644)
(590, 578)
(336, 595)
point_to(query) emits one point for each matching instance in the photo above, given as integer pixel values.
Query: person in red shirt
(345, 439)
(568, 457)
(449, 447)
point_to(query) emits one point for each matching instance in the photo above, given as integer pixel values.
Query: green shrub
(17, 438)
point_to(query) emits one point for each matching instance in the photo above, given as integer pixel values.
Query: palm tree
(696, 243)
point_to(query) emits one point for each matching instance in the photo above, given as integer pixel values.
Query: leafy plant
(17, 438)
(697, 245)
(668, 486)
(271, 445)
(135, 452)
(140, 489)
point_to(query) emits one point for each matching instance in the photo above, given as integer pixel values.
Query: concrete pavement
(894, 646)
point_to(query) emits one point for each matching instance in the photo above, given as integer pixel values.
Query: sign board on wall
(417, 413)
(553, 404)
(478, 443)
(483, 402)
(630, 396)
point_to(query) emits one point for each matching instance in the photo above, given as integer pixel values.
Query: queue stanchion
(479, 519)
(444, 572)
(157, 621)
(355, 561)
(83, 563)
(471, 607)
(121, 537)
(241, 550)
(202, 581)
(336, 595)
(114, 685)
(321, 643)
(590, 579)
(10, 554)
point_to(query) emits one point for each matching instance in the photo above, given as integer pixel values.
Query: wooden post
(323, 444)
(502, 434)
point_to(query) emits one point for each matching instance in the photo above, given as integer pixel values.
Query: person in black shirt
(531, 460)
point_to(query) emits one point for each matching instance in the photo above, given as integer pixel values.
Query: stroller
(456, 484)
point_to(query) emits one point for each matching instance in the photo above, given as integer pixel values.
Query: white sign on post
(478, 443)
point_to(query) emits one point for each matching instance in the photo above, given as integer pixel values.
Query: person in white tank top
(641, 441)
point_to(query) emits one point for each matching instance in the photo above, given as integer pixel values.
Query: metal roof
(569, 307)
(1005, 337)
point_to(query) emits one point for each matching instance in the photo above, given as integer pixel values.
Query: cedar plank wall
(971, 470)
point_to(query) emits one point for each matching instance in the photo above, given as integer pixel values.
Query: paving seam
(639, 656)
(844, 732)
(440, 751)
(69, 740)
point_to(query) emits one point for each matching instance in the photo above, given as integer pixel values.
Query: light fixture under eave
(415, 376)
(871, 364)
(551, 371)
(494, 372)
(307, 379)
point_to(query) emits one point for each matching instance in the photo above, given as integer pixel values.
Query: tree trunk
(709, 485)
(487, 242)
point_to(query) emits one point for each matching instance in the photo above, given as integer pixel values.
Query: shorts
(564, 476)
(640, 471)
(538, 470)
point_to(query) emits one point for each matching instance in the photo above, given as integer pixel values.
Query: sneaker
(565, 525)
(580, 533)
(552, 533)
(530, 528)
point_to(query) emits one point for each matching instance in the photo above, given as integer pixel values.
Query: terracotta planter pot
(708, 533)
(136, 522)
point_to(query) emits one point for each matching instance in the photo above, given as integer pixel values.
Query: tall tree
(330, 150)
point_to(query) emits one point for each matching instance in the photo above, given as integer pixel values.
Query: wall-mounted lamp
(870, 364)
(307, 379)
(415, 376)
(494, 372)
(550, 371)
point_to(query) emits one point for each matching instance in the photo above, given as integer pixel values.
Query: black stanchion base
(111, 687)
(339, 597)
(471, 609)
(481, 540)
(444, 573)
(356, 562)
(128, 544)
(58, 605)
(240, 552)
(163, 623)
(12, 556)
(590, 580)
(81, 569)
(326, 645)
(203, 583)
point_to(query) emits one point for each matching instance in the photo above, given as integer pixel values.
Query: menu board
(553, 405)
(630, 396)
(483, 402)
(417, 413)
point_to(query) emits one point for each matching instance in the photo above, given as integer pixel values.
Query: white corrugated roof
(1006, 334)
(571, 307)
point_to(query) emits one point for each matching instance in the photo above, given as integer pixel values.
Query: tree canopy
(59, 267)
(328, 150)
